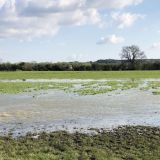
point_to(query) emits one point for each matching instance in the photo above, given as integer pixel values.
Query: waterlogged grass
(94, 87)
(85, 88)
(153, 86)
(81, 88)
(123, 143)
(156, 92)
(79, 75)
(20, 87)
(89, 88)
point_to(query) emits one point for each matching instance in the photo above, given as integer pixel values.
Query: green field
(79, 75)
(124, 143)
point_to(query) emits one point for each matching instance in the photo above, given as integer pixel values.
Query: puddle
(58, 110)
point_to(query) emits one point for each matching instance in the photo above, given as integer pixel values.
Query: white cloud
(26, 19)
(125, 19)
(113, 39)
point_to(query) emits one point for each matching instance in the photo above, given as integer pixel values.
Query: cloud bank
(27, 19)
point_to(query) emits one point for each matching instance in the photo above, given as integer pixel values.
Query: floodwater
(57, 110)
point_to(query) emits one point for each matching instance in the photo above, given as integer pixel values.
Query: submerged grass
(81, 88)
(79, 74)
(123, 143)
(153, 86)
(88, 88)
(19, 87)
(85, 88)
(94, 87)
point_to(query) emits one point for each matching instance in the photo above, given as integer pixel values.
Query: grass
(20, 87)
(93, 88)
(85, 88)
(79, 75)
(153, 86)
(123, 143)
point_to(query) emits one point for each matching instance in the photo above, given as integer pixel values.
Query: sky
(77, 30)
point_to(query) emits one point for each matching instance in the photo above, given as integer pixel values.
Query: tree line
(79, 66)
(132, 58)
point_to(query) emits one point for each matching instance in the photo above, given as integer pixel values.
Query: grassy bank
(127, 143)
(80, 75)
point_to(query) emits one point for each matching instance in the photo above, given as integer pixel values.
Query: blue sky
(77, 30)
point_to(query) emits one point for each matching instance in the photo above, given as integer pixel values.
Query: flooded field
(58, 109)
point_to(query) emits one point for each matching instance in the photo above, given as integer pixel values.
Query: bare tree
(132, 54)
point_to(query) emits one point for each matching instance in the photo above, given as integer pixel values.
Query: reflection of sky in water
(59, 110)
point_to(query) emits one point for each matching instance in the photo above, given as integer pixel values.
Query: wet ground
(57, 110)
